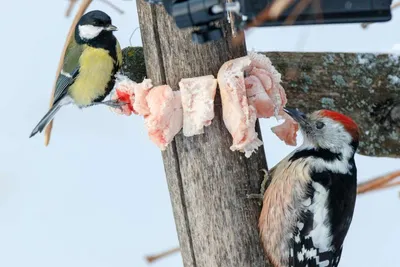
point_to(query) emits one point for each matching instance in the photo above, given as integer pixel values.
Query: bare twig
(84, 5)
(390, 185)
(395, 5)
(130, 38)
(392, 7)
(113, 6)
(70, 7)
(275, 10)
(271, 11)
(296, 12)
(316, 4)
(153, 258)
(378, 183)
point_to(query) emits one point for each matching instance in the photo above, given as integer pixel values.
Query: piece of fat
(124, 92)
(287, 131)
(133, 94)
(141, 91)
(261, 66)
(197, 103)
(165, 118)
(239, 117)
(258, 97)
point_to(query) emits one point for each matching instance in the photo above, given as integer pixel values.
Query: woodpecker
(308, 206)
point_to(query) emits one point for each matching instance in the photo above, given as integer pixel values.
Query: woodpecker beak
(298, 116)
(111, 28)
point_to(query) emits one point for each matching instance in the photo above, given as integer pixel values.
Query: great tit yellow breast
(96, 69)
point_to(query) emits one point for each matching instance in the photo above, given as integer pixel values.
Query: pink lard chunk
(166, 116)
(141, 91)
(239, 117)
(258, 97)
(134, 94)
(197, 103)
(271, 101)
(287, 131)
(262, 68)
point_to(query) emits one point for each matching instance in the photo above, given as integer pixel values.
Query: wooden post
(208, 183)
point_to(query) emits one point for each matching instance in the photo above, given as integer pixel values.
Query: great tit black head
(92, 25)
(91, 60)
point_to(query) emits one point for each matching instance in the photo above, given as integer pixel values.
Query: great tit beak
(298, 116)
(111, 28)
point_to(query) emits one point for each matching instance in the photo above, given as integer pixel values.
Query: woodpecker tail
(46, 119)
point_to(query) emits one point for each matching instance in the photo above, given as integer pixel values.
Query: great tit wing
(69, 71)
(63, 82)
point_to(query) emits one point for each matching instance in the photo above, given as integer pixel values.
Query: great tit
(92, 59)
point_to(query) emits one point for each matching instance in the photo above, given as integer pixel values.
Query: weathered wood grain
(364, 86)
(208, 183)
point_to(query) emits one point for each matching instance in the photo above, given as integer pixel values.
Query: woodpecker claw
(264, 181)
(257, 197)
(114, 103)
(254, 196)
(111, 103)
(260, 196)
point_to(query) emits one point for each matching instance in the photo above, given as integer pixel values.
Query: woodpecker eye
(320, 125)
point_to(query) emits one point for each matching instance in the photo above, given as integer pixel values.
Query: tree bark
(208, 183)
(364, 86)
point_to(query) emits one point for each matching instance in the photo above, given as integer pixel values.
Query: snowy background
(97, 196)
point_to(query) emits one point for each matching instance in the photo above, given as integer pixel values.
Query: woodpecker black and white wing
(322, 226)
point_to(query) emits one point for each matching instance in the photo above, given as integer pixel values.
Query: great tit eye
(319, 125)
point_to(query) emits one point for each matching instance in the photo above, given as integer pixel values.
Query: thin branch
(70, 7)
(113, 6)
(84, 5)
(296, 12)
(390, 185)
(377, 183)
(271, 11)
(153, 258)
(316, 4)
(274, 11)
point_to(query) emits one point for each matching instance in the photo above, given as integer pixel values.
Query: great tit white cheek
(88, 32)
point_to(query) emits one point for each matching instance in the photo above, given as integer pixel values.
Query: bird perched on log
(92, 58)
(308, 206)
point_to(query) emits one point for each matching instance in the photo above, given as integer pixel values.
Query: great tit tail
(46, 119)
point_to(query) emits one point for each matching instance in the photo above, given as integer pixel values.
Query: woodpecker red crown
(347, 122)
